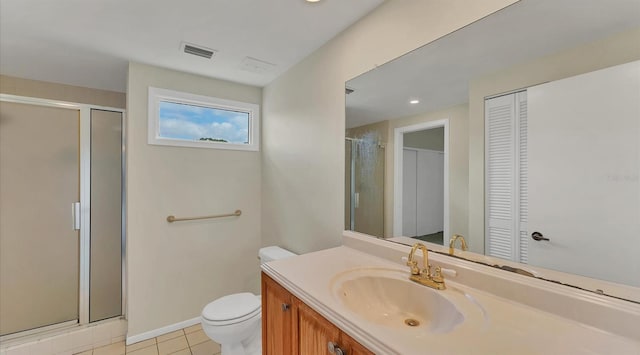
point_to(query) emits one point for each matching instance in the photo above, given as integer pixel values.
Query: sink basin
(387, 297)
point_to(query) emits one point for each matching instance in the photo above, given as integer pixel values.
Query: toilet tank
(271, 253)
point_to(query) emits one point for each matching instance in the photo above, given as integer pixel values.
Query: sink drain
(411, 322)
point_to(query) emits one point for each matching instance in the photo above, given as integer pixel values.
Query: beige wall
(458, 165)
(618, 49)
(176, 269)
(303, 126)
(380, 128)
(430, 139)
(45, 90)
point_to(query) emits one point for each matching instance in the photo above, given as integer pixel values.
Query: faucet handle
(437, 275)
(414, 267)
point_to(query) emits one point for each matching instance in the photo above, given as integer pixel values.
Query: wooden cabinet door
(314, 331)
(278, 331)
(352, 347)
(290, 327)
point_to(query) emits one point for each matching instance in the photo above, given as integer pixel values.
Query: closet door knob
(285, 307)
(537, 236)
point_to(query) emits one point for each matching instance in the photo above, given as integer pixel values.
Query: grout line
(156, 343)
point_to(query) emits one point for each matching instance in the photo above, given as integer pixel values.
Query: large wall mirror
(520, 132)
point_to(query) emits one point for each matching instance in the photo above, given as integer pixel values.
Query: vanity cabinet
(289, 326)
(277, 318)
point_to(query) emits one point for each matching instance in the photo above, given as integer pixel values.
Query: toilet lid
(232, 307)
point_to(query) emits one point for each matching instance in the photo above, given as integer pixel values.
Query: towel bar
(172, 219)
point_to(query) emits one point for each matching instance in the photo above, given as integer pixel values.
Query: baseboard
(164, 330)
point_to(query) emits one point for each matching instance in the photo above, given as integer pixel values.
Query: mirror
(520, 132)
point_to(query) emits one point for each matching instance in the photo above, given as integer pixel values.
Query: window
(188, 120)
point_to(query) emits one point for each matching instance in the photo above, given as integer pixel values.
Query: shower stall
(61, 214)
(364, 184)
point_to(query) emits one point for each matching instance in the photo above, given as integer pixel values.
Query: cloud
(181, 121)
(177, 127)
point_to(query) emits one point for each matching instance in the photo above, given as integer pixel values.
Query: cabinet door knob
(285, 307)
(335, 349)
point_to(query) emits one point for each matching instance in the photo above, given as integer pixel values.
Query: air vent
(348, 91)
(198, 50)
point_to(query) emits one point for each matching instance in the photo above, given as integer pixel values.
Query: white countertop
(497, 326)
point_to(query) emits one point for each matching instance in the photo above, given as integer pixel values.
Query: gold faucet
(424, 276)
(452, 243)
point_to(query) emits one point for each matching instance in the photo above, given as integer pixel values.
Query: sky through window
(200, 123)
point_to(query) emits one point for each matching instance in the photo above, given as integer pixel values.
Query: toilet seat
(245, 319)
(232, 309)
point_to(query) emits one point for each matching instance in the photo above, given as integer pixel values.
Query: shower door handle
(75, 215)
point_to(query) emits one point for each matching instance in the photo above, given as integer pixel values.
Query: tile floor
(188, 341)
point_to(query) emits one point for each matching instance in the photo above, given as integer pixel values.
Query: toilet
(234, 321)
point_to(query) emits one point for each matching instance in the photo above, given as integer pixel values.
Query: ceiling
(438, 74)
(89, 43)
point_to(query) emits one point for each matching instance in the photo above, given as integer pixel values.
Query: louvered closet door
(506, 177)
(522, 166)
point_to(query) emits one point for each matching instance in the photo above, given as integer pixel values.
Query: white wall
(303, 116)
(175, 269)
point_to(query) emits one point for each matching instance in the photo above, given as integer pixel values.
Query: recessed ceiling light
(313, 0)
(414, 101)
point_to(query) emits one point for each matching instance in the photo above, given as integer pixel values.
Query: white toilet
(234, 321)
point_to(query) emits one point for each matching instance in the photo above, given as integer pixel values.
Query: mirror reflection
(520, 132)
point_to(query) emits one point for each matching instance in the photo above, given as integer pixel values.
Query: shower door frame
(85, 206)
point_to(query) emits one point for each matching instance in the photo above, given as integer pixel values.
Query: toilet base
(251, 346)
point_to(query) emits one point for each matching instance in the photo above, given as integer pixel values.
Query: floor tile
(141, 344)
(165, 337)
(149, 350)
(182, 352)
(172, 345)
(187, 341)
(193, 328)
(113, 349)
(206, 348)
(78, 350)
(197, 337)
(118, 338)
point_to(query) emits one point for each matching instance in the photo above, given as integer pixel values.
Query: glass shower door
(39, 243)
(105, 280)
(364, 185)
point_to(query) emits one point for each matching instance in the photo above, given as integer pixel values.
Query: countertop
(493, 325)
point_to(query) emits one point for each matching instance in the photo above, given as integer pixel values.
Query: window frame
(157, 95)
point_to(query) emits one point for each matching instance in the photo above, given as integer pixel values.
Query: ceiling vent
(197, 50)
